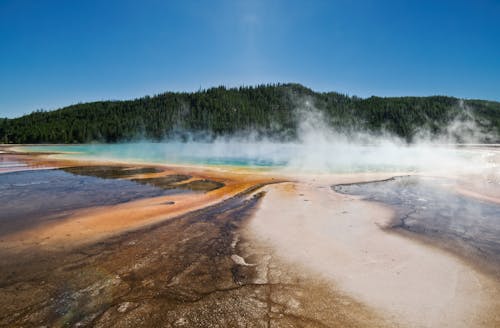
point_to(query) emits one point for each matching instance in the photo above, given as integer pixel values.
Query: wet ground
(38, 196)
(430, 209)
(169, 182)
(198, 269)
(110, 172)
(31, 195)
(193, 271)
(81, 286)
(174, 182)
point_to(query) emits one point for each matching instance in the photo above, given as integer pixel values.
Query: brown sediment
(144, 263)
(198, 260)
(201, 185)
(64, 287)
(111, 172)
(173, 181)
(176, 272)
(95, 223)
(165, 181)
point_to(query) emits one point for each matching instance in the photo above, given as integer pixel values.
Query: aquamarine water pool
(177, 153)
(316, 157)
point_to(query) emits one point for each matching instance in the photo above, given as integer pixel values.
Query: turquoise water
(314, 157)
(175, 153)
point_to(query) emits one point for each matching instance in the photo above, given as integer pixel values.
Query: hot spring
(313, 157)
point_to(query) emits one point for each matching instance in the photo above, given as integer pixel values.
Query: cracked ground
(195, 271)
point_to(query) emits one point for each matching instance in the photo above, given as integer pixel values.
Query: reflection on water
(110, 172)
(170, 182)
(30, 197)
(429, 207)
(34, 196)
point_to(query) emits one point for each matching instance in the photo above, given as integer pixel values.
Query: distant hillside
(266, 110)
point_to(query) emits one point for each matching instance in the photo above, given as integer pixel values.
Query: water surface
(429, 207)
(311, 157)
(38, 196)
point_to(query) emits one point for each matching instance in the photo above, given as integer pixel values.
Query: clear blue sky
(55, 53)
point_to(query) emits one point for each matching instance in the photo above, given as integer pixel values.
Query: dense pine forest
(273, 111)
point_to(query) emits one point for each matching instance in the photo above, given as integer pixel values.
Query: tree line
(270, 110)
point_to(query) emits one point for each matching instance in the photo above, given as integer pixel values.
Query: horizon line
(233, 87)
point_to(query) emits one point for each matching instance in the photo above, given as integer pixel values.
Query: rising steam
(319, 148)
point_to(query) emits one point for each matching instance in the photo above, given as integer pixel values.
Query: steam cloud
(320, 149)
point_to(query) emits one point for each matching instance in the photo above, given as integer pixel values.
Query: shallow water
(189, 260)
(36, 196)
(429, 207)
(110, 172)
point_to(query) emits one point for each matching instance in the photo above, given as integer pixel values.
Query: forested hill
(268, 110)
